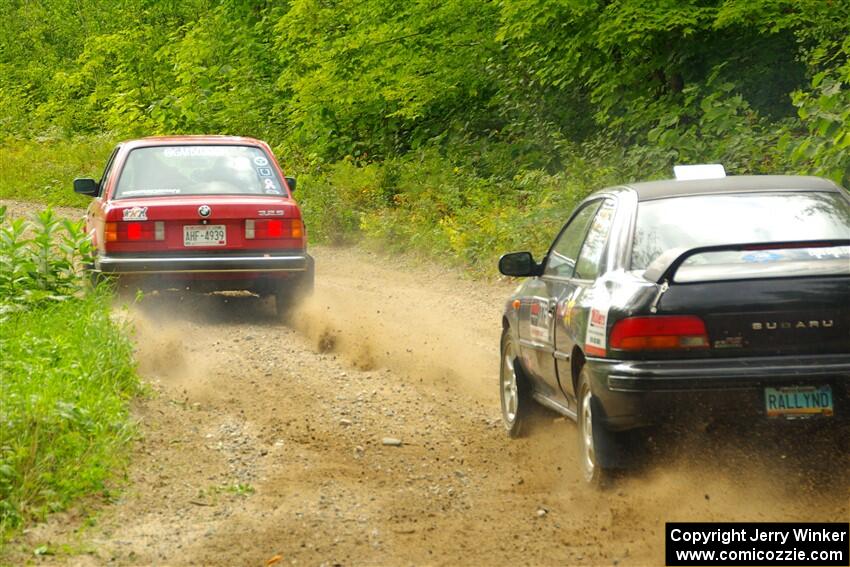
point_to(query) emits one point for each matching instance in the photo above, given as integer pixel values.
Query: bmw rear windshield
(158, 171)
(668, 227)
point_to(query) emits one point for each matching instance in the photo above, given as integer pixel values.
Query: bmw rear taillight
(297, 228)
(672, 332)
(135, 231)
(272, 229)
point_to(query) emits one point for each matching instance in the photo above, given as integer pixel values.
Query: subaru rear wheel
(592, 434)
(513, 388)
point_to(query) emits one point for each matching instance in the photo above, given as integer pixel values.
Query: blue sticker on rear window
(762, 257)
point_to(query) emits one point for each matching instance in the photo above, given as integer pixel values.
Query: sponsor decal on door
(596, 339)
(539, 321)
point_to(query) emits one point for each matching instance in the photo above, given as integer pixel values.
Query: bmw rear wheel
(513, 388)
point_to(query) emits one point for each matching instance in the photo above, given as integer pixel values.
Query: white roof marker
(703, 171)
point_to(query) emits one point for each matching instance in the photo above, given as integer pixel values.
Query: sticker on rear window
(835, 252)
(596, 339)
(261, 161)
(133, 192)
(136, 214)
(195, 151)
(762, 257)
(264, 171)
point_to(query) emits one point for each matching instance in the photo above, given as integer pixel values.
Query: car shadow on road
(226, 308)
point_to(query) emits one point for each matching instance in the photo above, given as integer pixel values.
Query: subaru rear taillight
(270, 229)
(672, 332)
(135, 231)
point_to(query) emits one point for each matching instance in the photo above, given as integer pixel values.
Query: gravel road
(365, 431)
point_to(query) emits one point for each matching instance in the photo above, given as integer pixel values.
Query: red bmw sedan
(208, 213)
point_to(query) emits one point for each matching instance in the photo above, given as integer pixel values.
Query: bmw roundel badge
(204, 211)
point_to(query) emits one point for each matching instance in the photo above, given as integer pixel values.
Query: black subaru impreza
(726, 295)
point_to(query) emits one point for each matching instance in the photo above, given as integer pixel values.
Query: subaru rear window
(667, 227)
(197, 170)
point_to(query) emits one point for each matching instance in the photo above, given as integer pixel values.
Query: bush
(40, 261)
(427, 203)
(66, 372)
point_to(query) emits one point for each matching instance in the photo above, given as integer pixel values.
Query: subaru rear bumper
(637, 393)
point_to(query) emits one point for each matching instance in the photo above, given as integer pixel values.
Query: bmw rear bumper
(638, 393)
(201, 264)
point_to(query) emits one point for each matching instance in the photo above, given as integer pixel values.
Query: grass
(66, 373)
(43, 171)
(211, 494)
(67, 377)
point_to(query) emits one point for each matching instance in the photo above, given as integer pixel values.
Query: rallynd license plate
(204, 235)
(798, 401)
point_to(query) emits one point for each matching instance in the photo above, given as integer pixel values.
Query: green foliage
(628, 54)
(378, 78)
(40, 261)
(66, 371)
(334, 201)
(826, 112)
(375, 79)
(427, 203)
